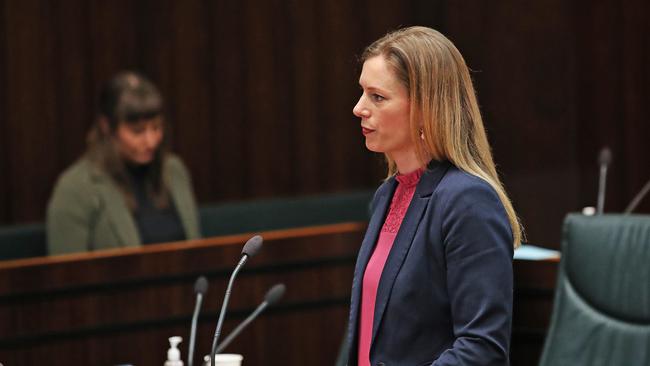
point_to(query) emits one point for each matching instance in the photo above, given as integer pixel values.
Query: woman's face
(384, 111)
(137, 142)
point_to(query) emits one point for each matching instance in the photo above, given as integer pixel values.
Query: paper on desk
(533, 253)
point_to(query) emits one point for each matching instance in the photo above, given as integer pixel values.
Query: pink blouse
(398, 206)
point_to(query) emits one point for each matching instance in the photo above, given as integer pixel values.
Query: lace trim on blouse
(401, 200)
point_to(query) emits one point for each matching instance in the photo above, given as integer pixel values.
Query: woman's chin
(372, 147)
(141, 160)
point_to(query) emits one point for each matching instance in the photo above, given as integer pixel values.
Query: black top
(155, 225)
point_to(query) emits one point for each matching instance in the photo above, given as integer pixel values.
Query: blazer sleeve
(69, 218)
(478, 246)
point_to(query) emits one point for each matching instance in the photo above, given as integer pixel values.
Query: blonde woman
(433, 280)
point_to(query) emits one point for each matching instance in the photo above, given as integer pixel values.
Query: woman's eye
(156, 126)
(137, 129)
(377, 97)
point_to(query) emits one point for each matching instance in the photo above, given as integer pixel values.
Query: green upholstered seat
(282, 213)
(601, 315)
(22, 241)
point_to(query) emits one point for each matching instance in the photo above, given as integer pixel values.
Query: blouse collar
(411, 179)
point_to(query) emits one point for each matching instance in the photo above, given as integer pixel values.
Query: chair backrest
(22, 241)
(601, 314)
(282, 213)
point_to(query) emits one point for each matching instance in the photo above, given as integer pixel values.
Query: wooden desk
(533, 305)
(120, 306)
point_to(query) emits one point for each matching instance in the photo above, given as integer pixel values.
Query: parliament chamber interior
(254, 109)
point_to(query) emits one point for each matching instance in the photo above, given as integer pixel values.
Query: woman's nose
(359, 109)
(152, 138)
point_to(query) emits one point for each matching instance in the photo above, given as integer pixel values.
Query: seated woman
(127, 189)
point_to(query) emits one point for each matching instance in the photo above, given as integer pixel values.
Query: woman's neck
(406, 162)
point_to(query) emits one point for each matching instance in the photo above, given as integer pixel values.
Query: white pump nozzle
(173, 353)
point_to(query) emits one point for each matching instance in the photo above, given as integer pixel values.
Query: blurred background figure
(126, 189)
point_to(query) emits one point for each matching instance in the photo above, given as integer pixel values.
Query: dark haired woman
(126, 190)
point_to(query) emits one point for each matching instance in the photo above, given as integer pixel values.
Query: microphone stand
(200, 287)
(251, 247)
(271, 297)
(604, 158)
(222, 313)
(637, 199)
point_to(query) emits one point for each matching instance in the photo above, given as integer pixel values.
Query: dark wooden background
(260, 93)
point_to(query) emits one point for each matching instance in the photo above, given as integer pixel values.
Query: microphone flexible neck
(222, 313)
(637, 199)
(601, 189)
(195, 317)
(241, 327)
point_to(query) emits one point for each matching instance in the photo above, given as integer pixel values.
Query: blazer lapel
(367, 246)
(183, 202)
(118, 214)
(428, 182)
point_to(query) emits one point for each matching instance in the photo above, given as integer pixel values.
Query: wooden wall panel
(268, 134)
(260, 94)
(230, 176)
(306, 87)
(70, 77)
(521, 55)
(613, 97)
(114, 28)
(31, 103)
(191, 118)
(5, 187)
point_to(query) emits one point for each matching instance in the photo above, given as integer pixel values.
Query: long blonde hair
(445, 120)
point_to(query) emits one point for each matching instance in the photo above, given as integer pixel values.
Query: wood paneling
(532, 308)
(5, 187)
(613, 103)
(120, 306)
(523, 62)
(259, 94)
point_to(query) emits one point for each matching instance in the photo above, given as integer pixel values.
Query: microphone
(200, 288)
(251, 248)
(604, 158)
(271, 297)
(637, 199)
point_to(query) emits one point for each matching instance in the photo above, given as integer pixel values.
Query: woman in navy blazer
(433, 280)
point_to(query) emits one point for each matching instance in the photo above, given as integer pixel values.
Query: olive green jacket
(88, 212)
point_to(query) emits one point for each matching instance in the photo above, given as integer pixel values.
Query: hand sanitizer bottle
(173, 353)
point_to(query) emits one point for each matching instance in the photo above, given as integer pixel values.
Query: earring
(421, 133)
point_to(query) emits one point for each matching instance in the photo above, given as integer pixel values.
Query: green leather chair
(283, 213)
(601, 314)
(22, 241)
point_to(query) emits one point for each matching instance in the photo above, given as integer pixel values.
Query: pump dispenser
(173, 353)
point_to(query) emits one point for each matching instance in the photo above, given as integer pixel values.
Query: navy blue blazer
(445, 294)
